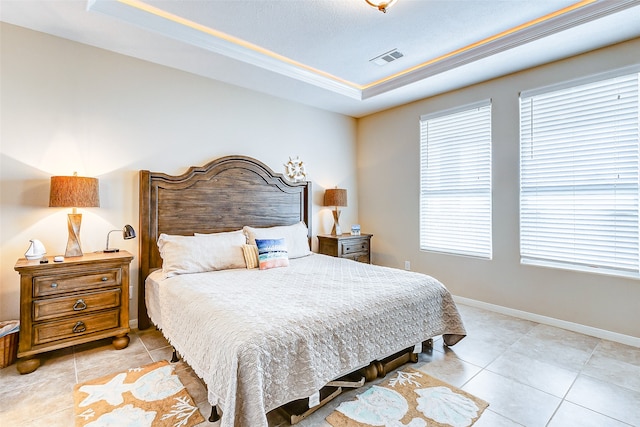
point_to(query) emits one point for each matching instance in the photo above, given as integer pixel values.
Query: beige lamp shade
(335, 197)
(74, 192)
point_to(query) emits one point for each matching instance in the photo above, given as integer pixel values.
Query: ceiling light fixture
(382, 5)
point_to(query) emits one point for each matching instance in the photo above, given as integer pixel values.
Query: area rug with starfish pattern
(409, 398)
(151, 395)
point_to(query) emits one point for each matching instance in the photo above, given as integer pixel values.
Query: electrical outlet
(407, 265)
(131, 292)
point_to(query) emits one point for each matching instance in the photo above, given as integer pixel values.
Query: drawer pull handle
(79, 327)
(104, 279)
(54, 285)
(79, 305)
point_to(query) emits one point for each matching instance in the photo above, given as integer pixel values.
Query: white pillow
(296, 237)
(197, 254)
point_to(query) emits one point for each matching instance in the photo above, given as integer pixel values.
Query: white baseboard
(575, 327)
(133, 323)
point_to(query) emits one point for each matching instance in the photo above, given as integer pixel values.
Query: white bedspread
(260, 339)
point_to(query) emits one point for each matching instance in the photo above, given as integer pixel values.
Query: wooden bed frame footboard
(223, 195)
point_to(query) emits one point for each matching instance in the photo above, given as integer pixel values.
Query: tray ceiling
(335, 54)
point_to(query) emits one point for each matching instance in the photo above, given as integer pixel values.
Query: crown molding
(582, 15)
(168, 25)
(153, 19)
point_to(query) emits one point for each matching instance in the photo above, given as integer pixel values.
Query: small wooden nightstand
(79, 300)
(346, 246)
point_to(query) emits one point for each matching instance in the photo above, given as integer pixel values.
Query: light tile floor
(531, 375)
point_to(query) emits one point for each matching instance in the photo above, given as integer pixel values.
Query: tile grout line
(580, 372)
(145, 348)
(485, 368)
(563, 399)
(75, 364)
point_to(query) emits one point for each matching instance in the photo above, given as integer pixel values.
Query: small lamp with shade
(127, 233)
(74, 192)
(335, 197)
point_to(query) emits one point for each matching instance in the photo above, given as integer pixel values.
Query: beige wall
(69, 107)
(388, 165)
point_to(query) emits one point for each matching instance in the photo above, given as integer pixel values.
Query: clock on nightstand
(78, 300)
(355, 247)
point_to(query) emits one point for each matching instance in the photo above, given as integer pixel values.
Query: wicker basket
(8, 346)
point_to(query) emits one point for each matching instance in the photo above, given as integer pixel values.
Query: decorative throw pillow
(296, 235)
(197, 254)
(250, 255)
(272, 253)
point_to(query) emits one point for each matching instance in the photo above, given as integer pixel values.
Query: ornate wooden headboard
(223, 195)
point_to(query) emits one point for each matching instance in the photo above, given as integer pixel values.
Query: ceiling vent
(387, 57)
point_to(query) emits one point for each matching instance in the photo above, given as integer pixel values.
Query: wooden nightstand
(346, 246)
(79, 300)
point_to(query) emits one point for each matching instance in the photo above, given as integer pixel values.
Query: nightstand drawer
(53, 285)
(76, 326)
(360, 257)
(76, 305)
(355, 246)
(349, 246)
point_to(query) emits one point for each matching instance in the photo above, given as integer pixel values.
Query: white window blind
(579, 176)
(455, 181)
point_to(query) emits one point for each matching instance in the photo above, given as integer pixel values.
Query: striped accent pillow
(250, 255)
(272, 253)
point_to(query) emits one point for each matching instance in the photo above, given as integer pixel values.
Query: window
(579, 175)
(455, 181)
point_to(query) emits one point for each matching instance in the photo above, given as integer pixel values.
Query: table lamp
(335, 197)
(74, 192)
(127, 233)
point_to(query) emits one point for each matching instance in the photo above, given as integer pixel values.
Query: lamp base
(336, 230)
(73, 243)
(109, 250)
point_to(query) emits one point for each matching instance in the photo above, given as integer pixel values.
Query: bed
(260, 338)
